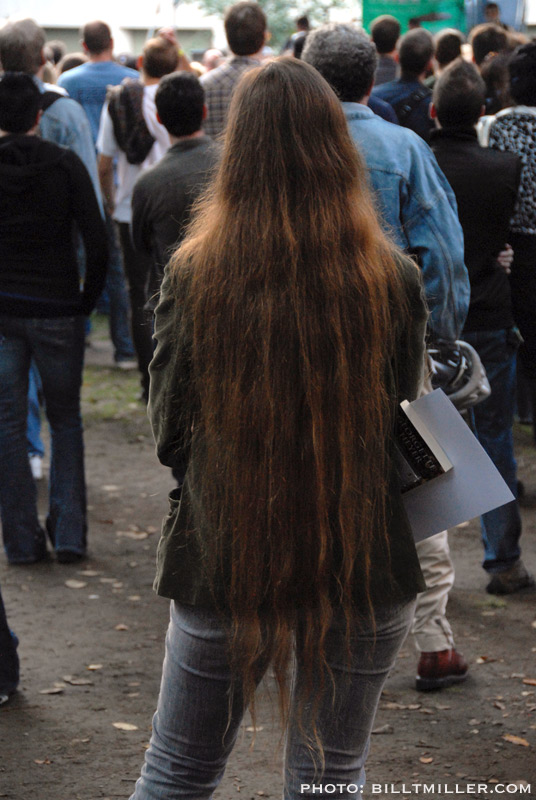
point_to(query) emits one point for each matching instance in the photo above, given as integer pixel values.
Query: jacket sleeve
(170, 386)
(434, 236)
(410, 353)
(90, 223)
(66, 123)
(141, 223)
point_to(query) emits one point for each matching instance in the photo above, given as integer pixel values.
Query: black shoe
(511, 580)
(69, 557)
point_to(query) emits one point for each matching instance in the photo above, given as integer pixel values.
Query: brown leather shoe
(440, 669)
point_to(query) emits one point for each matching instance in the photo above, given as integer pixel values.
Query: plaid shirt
(219, 84)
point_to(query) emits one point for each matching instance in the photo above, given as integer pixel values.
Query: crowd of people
(274, 237)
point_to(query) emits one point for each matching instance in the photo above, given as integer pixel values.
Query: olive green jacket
(186, 541)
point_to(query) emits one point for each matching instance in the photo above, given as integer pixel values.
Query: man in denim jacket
(418, 209)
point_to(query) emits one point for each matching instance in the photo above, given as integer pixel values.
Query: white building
(130, 21)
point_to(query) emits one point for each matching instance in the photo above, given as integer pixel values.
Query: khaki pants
(430, 626)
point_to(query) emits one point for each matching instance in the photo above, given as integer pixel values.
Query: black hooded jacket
(44, 190)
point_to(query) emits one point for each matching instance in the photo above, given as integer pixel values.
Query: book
(419, 456)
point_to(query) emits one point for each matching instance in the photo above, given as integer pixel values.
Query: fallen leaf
(121, 627)
(384, 729)
(94, 667)
(425, 711)
(533, 624)
(252, 729)
(152, 529)
(77, 681)
(395, 706)
(41, 761)
(414, 706)
(137, 535)
(530, 681)
(485, 660)
(89, 573)
(53, 690)
(497, 704)
(108, 580)
(110, 488)
(125, 726)
(474, 722)
(134, 597)
(517, 675)
(426, 759)
(442, 708)
(509, 737)
(72, 583)
(117, 585)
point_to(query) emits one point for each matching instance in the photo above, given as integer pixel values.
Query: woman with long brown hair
(287, 331)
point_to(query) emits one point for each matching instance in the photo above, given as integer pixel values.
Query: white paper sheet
(471, 488)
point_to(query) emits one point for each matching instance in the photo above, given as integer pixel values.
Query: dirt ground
(91, 647)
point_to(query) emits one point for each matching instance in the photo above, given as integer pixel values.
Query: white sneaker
(127, 364)
(36, 465)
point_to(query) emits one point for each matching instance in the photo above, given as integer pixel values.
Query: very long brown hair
(289, 286)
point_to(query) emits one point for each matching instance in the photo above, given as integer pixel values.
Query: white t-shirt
(128, 173)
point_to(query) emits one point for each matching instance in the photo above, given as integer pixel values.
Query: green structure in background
(432, 14)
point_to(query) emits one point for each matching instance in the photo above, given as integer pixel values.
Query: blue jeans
(57, 347)
(9, 661)
(35, 443)
(493, 419)
(200, 708)
(118, 298)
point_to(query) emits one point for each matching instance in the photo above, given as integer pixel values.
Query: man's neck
(98, 58)
(179, 139)
(257, 56)
(409, 76)
(147, 80)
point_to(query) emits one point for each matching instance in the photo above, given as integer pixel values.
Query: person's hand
(505, 258)
(170, 35)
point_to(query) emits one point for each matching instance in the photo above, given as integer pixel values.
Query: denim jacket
(418, 209)
(65, 122)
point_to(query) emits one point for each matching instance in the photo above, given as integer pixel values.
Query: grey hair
(345, 56)
(21, 46)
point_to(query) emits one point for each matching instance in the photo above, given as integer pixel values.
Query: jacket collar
(458, 134)
(357, 111)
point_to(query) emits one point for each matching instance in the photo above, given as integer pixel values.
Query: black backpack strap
(48, 98)
(405, 107)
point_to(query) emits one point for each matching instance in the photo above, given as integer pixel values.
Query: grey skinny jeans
(199, 715)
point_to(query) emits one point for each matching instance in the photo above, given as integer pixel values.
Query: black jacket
(44, 190)
(485, 183)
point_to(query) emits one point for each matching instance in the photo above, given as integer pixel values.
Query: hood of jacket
(23, 159)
